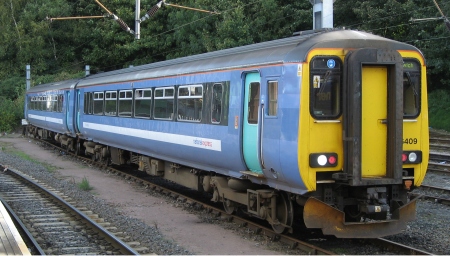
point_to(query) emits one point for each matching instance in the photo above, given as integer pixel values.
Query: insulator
(151, 12)
(122, 24)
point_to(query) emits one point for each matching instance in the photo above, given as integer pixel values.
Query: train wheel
(77, 148)
(285, 214)
(229, 206)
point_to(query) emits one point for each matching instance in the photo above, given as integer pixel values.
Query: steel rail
(19, 224)
(113, 240)
(398, 248)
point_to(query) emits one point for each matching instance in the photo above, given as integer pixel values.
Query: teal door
(251, 132)
(77, 111)
(67, 110)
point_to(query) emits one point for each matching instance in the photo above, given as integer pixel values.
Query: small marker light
(322, 160)
(404, 157)
(332, 160)
(412, 157)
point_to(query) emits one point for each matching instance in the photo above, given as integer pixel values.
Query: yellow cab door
(373, 116)
(374, 120)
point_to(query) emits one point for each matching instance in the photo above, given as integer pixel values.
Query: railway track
(438, 167)
(291, 241)
(56, 225)
(437, 194)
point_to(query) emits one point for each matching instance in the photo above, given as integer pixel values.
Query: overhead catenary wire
(443, 17)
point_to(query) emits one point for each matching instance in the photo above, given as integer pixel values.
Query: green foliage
(12, 88)
(84, 184)
(11, 113)
(439, 109)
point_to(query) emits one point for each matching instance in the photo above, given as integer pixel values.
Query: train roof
(61, 85)
(288, 50)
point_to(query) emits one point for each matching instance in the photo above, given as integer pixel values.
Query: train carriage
(327, 127)
(49, 106)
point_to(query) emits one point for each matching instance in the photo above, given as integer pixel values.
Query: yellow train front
(363, 136)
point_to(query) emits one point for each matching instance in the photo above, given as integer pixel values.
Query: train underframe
(336, 208)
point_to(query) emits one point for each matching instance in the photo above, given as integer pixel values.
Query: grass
(9, 149)
(84, 185)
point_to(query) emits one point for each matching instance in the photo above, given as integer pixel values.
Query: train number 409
(410, 141)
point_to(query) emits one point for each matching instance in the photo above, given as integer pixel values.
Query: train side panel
(42, 113)
(207, 146)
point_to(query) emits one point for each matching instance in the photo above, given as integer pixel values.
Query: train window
(125, 103)
(39, 103)
(60, 102)
(44, 103)
(88, 102)
(217, 104)
(142, 103)
(98, 103)
(273, 98)
(411, 88)
(253, 103)
(190, 103)
(54, 103)
(325, 87)
(111, 103)
(31, 103)
(48, 103)
(164, 104)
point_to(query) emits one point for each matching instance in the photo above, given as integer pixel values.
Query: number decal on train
(410, 141)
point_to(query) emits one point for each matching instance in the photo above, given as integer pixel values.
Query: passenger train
(327, 128)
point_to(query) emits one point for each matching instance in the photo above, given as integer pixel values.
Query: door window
(253, 103)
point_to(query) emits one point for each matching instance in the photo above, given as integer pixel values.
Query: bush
(11, 113)
(439, 109)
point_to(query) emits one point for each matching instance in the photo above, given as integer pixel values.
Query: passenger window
(411, 88)
(125, 103)
(86, 103)
(325, 87)
(54, 103)
(142, 103)
(111, 103)
(33, 103)
(164, 105)
(98, 103)
(253, 103)
(190, 103)
(217, 104)
(40, 103)
(49, 100)
(60, 102)
(273, 98)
